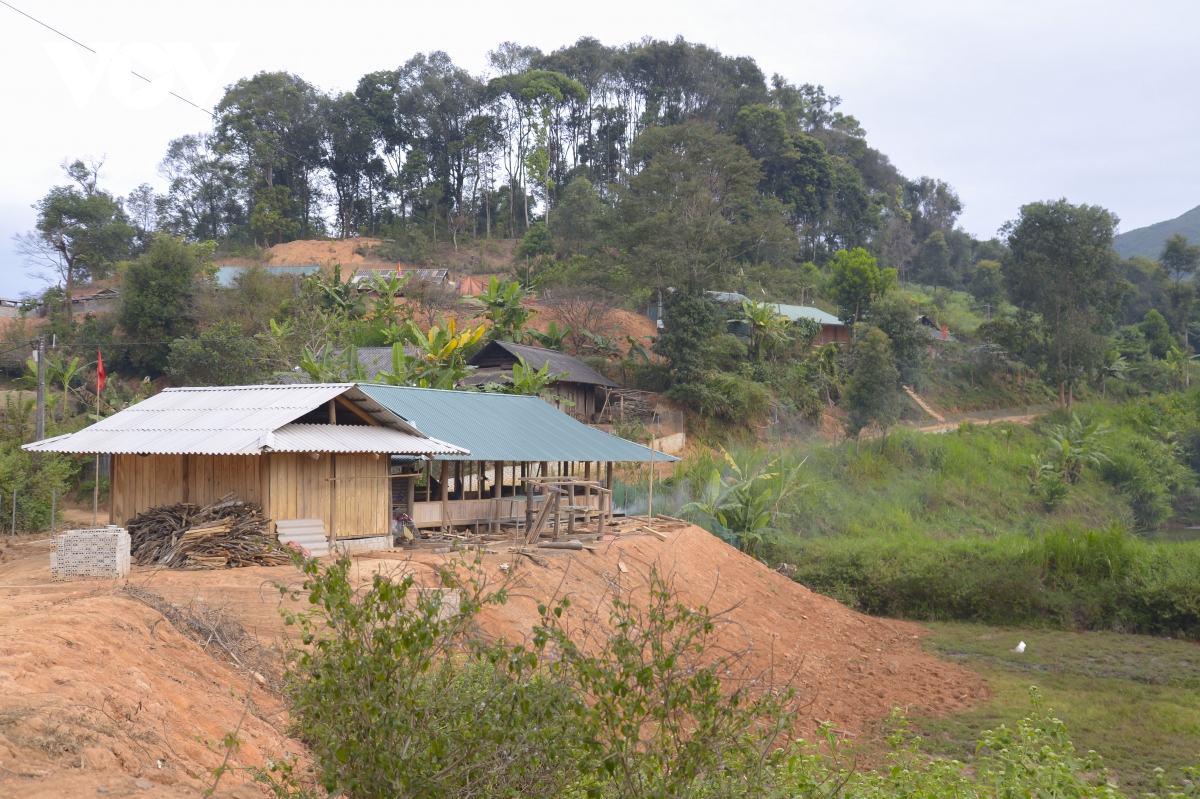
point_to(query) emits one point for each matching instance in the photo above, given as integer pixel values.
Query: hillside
(97, 688)
(1148, 241)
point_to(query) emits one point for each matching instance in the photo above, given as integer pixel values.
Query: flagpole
(96, 482)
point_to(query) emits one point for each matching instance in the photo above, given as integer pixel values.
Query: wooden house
(580, 384)
(304, 451)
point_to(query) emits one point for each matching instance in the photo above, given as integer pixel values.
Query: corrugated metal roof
(505, 427)
(353, 438)
(794, 312)
(229, 420)
(505, 353)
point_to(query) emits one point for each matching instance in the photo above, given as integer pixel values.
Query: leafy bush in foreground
(397, 696)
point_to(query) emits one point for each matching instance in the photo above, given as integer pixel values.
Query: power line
(74, 41)
(204, 111)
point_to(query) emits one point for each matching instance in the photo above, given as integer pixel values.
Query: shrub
(1069, 576)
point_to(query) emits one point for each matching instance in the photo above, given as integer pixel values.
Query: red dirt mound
(97, 688)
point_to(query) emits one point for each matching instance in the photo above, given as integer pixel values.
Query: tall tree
(1180, 258)
(272, 123)
(81, 230)
(352, 160)
(156, 301)
(202, 201)
(1060, 264)
(689, 207)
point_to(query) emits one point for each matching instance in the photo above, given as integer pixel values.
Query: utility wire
(204, 111)
(93, 52)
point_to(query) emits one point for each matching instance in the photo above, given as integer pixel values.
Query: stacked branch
(229, 532)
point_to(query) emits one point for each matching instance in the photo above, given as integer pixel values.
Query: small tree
(1158, 334)
(1180, 258)
(81, 231)
(220, 357)
(690, 322)
(873, 394)
(854, 280)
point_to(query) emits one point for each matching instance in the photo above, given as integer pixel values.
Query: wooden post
(332, 493)
(497, 478)
(444, 497)
(650, 499)
(608, 484)
(525, 474)
(332, 412)
(481, 466)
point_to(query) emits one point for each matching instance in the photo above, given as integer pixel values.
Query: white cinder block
(102, 553)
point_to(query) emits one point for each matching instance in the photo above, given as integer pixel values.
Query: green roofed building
(508, 437)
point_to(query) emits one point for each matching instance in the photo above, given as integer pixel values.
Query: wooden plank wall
(297, 486)
(140, 483)
(363, 502)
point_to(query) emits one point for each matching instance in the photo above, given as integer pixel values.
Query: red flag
(100, 376)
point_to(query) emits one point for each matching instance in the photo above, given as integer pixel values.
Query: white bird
(1019, 648)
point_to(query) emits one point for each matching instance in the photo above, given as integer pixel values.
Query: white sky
(1009, 102)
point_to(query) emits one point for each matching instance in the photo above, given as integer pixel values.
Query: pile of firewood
(229, 532)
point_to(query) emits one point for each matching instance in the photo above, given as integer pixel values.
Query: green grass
(1134, 699)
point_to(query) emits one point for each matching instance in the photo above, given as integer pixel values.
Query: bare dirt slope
(76, 658)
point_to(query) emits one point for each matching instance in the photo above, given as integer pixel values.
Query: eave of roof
(240, 420)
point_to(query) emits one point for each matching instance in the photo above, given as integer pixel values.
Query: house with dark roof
(580, 384)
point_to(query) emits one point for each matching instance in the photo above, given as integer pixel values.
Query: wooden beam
(332, 412)
(357, 411)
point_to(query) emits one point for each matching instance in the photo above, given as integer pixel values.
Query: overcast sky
(1009, 102)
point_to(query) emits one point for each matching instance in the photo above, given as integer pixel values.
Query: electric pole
(40, 429)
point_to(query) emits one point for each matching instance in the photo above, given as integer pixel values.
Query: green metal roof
(795, 312)
(505, 427)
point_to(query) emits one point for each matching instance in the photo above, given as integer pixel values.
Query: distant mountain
(1148, 241)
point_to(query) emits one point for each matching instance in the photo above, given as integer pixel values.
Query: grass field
(1134, 699)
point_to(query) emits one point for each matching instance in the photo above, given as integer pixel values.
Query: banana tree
(502, 306)
(59, 371)
(769, 330)
(326, 365)
(1074, 445)
(741, 506)
(553, 338)
(442, 359)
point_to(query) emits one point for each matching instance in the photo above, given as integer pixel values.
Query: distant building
(226, 275)
(434, 276)
(833, 330)
(581, 384)
(935, 331)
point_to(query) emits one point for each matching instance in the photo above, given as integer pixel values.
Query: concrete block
(99, 554)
